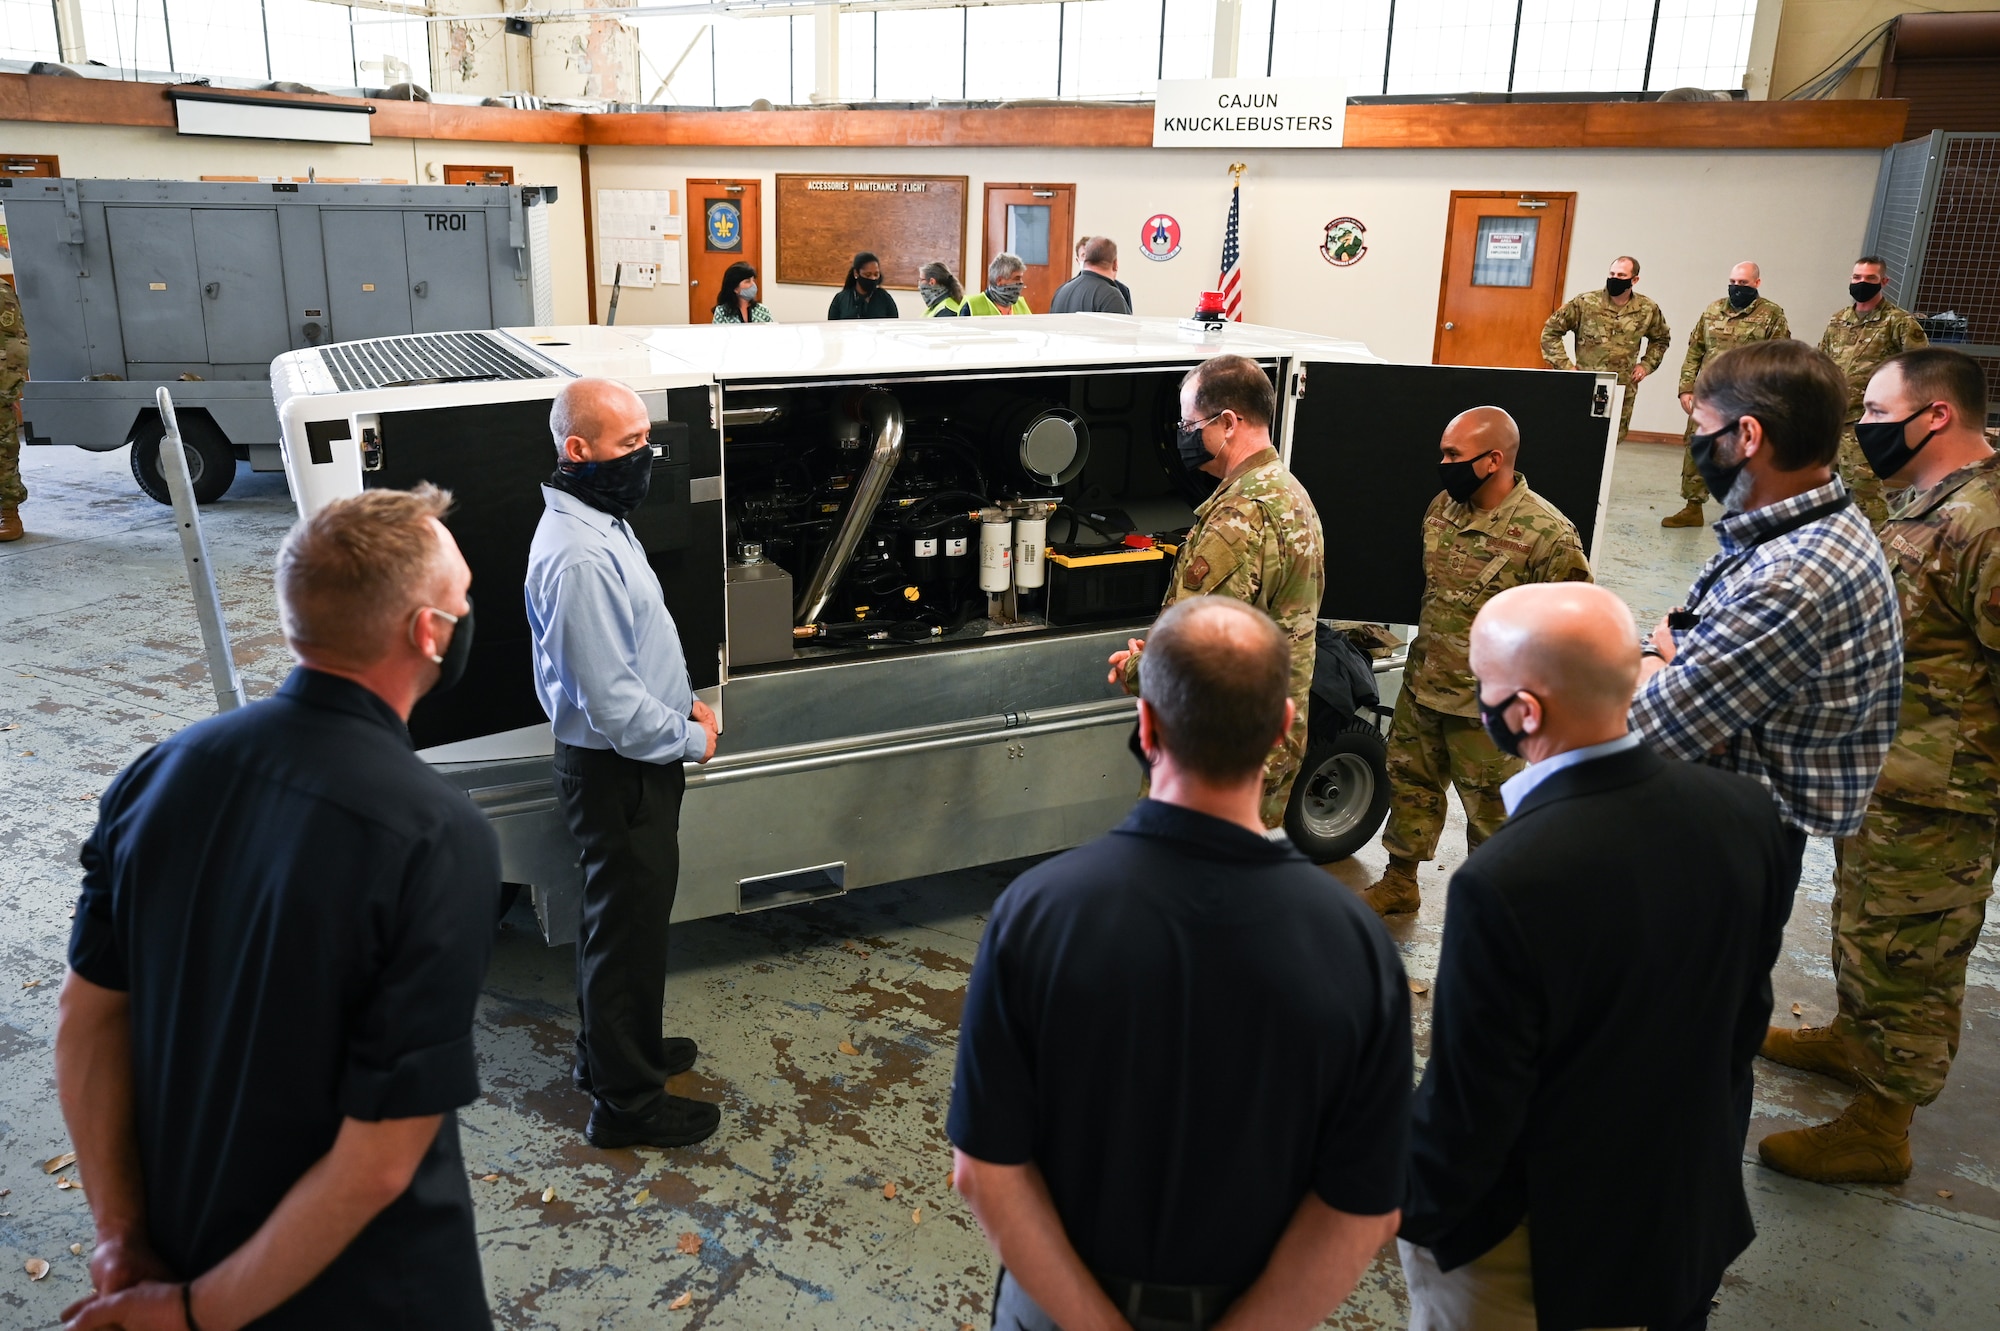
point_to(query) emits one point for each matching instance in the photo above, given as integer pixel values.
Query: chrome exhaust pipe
(883, 415)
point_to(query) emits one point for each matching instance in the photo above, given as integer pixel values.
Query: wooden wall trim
(1874, 123)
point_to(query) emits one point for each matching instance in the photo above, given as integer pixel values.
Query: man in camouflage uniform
(1743, 315)
(1911, 885)
(13, 374)
(1257, 539)
(1860, 338)
(1609, 326)
(1485, 533)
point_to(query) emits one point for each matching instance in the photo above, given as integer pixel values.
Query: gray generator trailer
(126, 285)
(898, 554)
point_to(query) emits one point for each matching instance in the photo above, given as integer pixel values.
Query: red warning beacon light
(1211, 307)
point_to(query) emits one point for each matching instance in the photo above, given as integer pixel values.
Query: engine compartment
(900, 514)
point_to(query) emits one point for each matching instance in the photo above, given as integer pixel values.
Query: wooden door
(1505, 253)
(1036, 222)
(725, 225)
(29, 164)
(478, 175)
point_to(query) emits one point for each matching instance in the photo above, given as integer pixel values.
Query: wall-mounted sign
(908, 221)
(1249, 113)
(1160, 238)
(1344, 243)
(725, 226)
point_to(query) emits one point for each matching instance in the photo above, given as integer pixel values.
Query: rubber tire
(1358, 812)
(211, 460)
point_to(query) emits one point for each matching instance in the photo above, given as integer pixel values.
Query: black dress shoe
(674, 1121)
(678, 1050)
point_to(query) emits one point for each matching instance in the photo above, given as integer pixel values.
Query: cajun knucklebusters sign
(1249, 113)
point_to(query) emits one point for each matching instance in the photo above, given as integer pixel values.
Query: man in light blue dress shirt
(613, 680)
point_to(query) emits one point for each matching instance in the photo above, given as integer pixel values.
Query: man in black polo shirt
(285, 919)
(1183, 1076)
(1096, 286)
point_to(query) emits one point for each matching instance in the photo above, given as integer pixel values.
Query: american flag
(1230, 284)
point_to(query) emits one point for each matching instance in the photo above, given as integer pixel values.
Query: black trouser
(626, 818)
(1795, 852)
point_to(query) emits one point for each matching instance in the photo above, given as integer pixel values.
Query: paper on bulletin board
(641, 229)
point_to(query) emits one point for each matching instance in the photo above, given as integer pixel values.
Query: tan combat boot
(1810, 1049)
(1868, 1143)
(1395, 892)
(1691, 516)
(10, 523)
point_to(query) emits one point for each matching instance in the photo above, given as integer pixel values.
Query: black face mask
(866, 285)
(1617, 286)
(1719, 476)
(1504, 739)
(1882, 443)
(1741, 296)
(1863, 292)
(615, 487)
(1194, 455)
(1459, 479)
(451, 666)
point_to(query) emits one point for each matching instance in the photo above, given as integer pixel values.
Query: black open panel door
(493, 457)
(1365, 446)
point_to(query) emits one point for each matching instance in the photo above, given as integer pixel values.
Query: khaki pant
(1693, 488)
(1493, 1292)
(1860, 479)
(12, 491)
(1631, 397)
(1910, 898)
(1428, 751)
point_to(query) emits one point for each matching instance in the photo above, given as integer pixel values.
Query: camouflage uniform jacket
(1472, 555)
(1607, 337)
(1257, 539)
(1859, 343)
(13, 345)
(1944, 549)
(1723, 326)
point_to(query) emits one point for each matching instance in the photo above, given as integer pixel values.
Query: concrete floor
(784, 1210)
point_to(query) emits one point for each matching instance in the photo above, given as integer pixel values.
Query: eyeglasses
(1191, 427)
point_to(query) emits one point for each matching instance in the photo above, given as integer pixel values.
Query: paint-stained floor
(827, 1031)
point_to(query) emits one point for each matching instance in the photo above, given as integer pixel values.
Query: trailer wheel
(211, 461)
(1341, 796)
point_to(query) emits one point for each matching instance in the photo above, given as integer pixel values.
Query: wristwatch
(1647, 647)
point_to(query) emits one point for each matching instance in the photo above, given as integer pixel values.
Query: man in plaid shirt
(1786, 663)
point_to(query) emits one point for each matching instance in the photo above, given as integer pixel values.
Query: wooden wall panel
(1875, 123)
(907, 220)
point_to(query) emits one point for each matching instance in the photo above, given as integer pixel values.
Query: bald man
(1618, 931)
(1742, 315)
(1485, 533)
(611, 676)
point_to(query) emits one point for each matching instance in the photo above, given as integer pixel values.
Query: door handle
(422, 289)
(1449, 326)
(212, 290)
(694, 281)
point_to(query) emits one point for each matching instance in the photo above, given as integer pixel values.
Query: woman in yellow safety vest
(943, 297)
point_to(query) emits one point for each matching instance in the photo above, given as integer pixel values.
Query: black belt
(1196, 1307)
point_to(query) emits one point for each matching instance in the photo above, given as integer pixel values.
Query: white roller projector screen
(252, 119)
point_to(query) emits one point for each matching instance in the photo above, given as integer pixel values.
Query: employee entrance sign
(1249, 113)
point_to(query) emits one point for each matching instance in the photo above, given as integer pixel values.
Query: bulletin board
(909, 221)
(640, 230)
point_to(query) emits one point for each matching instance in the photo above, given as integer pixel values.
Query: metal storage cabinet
(128, 284)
